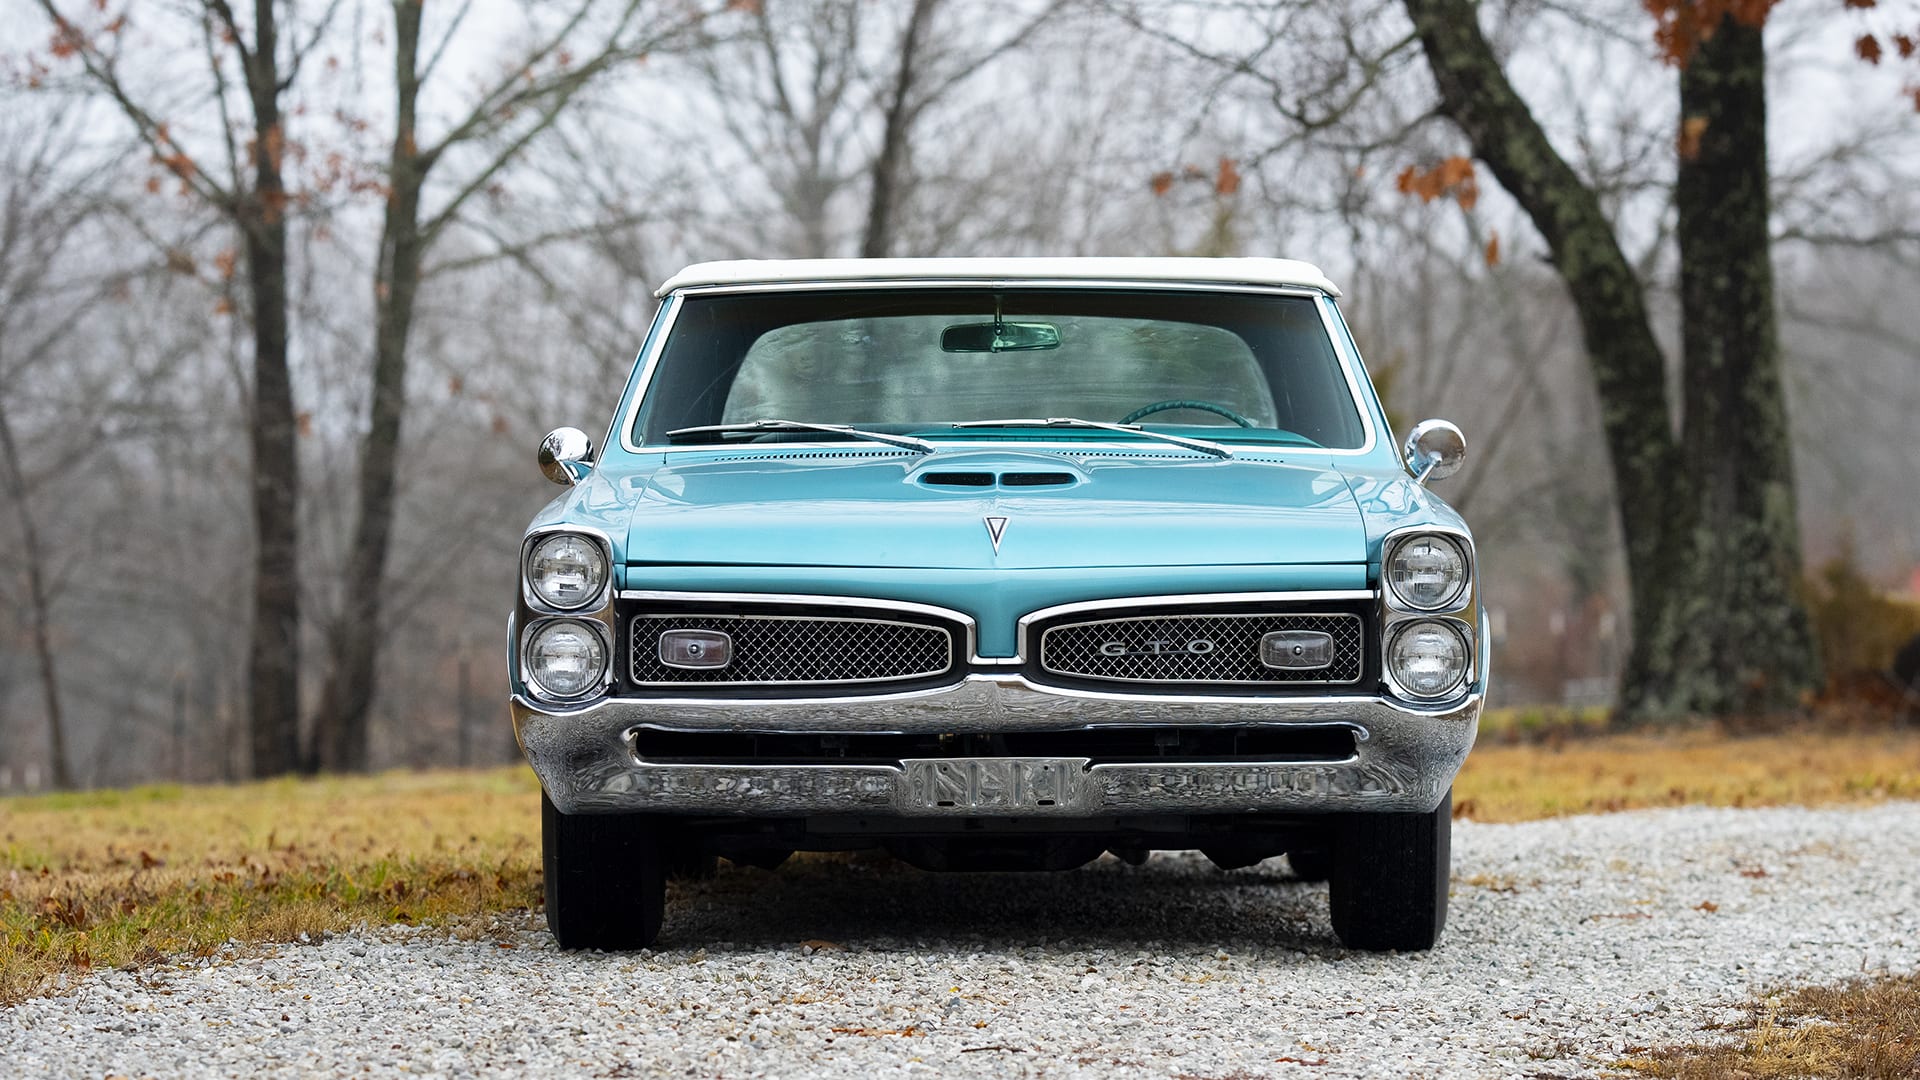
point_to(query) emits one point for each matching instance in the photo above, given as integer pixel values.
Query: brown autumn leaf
(1867, 47)
(1904, 45)
(305, 423)
(455, 384)
(1161, 183)
(1691, 129)
(225, 263)
(223, 306)
(1227, 180)
(1453, 177)
(1492, 252)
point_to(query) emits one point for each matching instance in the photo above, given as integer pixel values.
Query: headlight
(566, 658)
(1427, 572)
(1428, 658)
(567, 571)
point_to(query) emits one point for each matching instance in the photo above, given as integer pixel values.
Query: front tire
(605, 878)
(1389, 878)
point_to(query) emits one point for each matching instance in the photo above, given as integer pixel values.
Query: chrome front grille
(1185, 648)
(784, 650)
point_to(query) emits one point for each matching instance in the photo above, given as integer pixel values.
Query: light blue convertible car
(998, 564)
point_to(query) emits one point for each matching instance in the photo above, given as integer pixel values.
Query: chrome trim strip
(1276, 683)
(1344, 353)
(993, 702)
(992, 284)
(1023, 627)
(645, 377)
(803, 599)
(633, 650)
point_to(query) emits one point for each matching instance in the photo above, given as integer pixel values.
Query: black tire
(1389, 878)
(1311, 865)
(605, 877)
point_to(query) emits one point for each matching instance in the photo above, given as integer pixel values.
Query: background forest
(289, 293)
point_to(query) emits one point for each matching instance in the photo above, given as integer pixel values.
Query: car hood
(941, 511)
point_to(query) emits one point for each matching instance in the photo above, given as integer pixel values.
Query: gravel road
(1571, 942)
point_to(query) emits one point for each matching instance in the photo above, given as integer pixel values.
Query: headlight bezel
(1457, 598)
(1461, 634)
(529, 677)
(539, 603)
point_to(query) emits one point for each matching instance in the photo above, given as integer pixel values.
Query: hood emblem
(996, 528)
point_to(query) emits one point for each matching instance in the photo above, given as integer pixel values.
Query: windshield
(1233, 367)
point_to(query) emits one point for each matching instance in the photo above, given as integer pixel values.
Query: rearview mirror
(1000, 337)
(566, 455)
(1435, 449)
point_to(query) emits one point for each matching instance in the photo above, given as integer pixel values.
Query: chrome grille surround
(794, 650)
(1074, 650)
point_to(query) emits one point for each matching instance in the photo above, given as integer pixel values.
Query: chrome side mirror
(1435, 450)
(566, 455)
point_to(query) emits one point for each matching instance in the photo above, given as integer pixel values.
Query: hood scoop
(977, 480)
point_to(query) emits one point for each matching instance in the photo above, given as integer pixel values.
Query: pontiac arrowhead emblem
(996, 528)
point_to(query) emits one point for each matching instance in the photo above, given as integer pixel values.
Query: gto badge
(1160, 647)
(996, 528)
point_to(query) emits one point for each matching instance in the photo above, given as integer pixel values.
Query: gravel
(1571, 943)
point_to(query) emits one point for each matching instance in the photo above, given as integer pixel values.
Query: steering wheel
(1203, 406)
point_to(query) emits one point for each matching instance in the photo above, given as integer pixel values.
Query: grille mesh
(772, 649)
(1074, 649)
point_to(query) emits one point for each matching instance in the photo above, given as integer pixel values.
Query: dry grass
(1868, 1029)
(1628, 772)
(114, 878)
(127, 877)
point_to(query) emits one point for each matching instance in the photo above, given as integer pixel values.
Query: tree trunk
(40, 604)
(1651, 483)
(273, 667)
(890, 163)
(341, 728)
(1739, 633)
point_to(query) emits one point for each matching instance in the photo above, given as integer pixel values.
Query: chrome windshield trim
(750, 600)
(1345, 353)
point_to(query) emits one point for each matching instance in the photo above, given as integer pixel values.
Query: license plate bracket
(994, 786)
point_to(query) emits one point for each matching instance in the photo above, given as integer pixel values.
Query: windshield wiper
(762, 426)
(1129, 429)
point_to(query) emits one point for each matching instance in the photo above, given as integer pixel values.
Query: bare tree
(502, 122)
(250, 192)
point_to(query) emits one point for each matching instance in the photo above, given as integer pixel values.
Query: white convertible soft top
(795, 271)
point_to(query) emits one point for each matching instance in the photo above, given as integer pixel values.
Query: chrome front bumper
(1405, 756)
